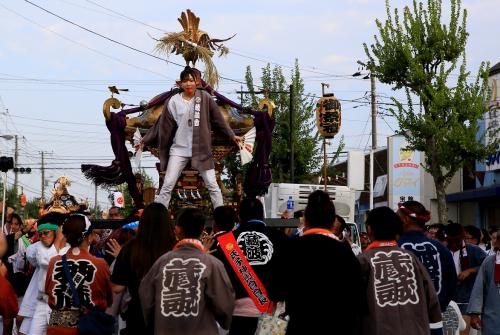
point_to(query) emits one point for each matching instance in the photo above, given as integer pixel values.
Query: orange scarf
(379, 244)
(192, 241)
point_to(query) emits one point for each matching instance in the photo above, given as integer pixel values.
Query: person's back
(434, 256)
(400, 294)
(323, 284)
(397, 286)
(187, 290)
(262, 248)
(320, 279)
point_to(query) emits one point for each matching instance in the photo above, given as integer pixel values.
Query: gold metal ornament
(194, 44)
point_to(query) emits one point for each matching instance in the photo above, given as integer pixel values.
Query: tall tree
(419, 53)
(306, 149)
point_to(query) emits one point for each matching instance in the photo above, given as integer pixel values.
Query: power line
(125, 16)
(232, 51)
(118, 42)
(101, 35)
(55, 121)
(83, 45)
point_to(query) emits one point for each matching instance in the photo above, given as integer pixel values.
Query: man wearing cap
(434, 256)
(34, 308)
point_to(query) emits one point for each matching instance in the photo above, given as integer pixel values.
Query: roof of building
(495, 69)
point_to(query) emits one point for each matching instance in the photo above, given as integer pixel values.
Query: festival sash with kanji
(256, 291)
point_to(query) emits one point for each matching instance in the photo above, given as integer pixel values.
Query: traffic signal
(22, 170)
(6, 163)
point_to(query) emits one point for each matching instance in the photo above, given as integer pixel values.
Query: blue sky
(54, 76)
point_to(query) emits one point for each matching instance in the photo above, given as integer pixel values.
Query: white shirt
(39, 256)
(456, 260)
(182, 111)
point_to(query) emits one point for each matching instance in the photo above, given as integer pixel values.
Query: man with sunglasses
(51, 242)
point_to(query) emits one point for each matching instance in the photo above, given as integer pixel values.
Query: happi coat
(187, 291)
(162, 134)
(400, 294)
(485, 298)
(438, 261)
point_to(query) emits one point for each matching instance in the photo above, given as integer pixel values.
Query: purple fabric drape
(259, 175)
(120, 170)
(257, 179)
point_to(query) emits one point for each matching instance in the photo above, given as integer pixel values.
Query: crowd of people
(165, 278)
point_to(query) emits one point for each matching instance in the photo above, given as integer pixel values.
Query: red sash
(378, 244)
(256, 291)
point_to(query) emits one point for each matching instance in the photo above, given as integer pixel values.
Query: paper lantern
(328, 116)
(22, 199)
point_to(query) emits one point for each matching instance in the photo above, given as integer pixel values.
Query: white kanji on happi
(181, 292)
(394, 275)
(83, 273)
(428, 254)
(256, 246)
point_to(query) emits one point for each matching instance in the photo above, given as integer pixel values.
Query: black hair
(494, 229)
(155, 236)
(475, 232)
(343, 224)
(385, 224)
(320, 210)
(53, 217)
(440, 230)
(115, 207)
(224, 218)
(196, 72)
(486, 239)
(454, 230)
(188, 71)
(192, 222)
(251, 209)
(19, 220)
(73, 229)
(298, 214)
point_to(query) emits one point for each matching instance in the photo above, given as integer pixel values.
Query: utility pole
(16, 171)
(374, 135)
(292, 148)
(42, 169)
(374, 112)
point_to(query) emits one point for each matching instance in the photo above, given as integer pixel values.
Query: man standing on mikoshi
(183, 133)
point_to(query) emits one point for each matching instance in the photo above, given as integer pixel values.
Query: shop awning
(478, 193)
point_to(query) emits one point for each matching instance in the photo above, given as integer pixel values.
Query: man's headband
(422, 218)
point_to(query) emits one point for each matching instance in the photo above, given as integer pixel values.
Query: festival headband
(48, 226)
(423, 218)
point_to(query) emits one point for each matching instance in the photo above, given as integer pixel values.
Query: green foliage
(147, 181)
(330, 169)
(31, 209)
(418, 53)
(305, 136)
